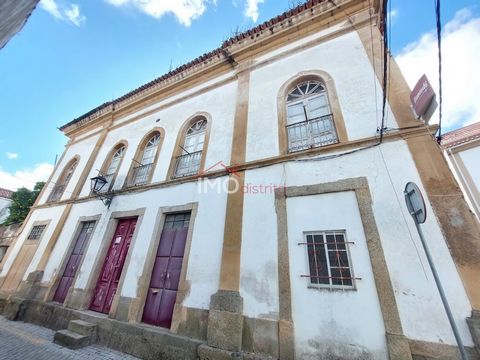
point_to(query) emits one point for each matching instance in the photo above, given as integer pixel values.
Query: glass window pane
(295, 114)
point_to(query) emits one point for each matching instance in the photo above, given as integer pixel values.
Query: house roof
(220, 52)
(4, 193)
(461, 136)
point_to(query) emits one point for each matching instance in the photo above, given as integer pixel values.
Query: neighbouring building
(462, 150)
(6, 232)
(250, 207)
(13, 16)
(5, 201)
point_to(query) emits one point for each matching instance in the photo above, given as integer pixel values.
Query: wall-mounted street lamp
(97, 183)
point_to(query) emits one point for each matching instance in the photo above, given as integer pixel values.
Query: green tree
(22, 201)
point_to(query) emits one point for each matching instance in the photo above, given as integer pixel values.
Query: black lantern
(97, 183)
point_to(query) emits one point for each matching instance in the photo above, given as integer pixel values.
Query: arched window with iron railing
(309, 117)
(112, 165)
(63, 180)
(145, 160)
(189, 161)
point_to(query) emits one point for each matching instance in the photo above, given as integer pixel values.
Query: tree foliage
(22, 201)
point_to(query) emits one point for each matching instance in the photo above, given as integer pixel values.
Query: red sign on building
(422, 96)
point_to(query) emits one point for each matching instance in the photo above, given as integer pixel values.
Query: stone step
(83, 328)
(71, 339)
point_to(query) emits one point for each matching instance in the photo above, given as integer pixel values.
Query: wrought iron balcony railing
(311, 133)
(140, 175)
(187, 164)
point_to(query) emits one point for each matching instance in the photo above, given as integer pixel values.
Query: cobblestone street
(24, 341)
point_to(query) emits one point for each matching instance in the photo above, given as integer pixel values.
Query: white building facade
(462, 150)
(253, 207)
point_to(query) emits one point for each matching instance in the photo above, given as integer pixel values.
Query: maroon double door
(162, 291)
(112, 267)
(73, 261)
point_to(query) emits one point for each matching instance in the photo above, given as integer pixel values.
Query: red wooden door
(112, 267)
(163, 288)
(73, 261)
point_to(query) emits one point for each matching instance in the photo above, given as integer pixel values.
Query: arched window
(110, 168)
(309, 120)
(144, 161)
(189, 161)
(63, 180)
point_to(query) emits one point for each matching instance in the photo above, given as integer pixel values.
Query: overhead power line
(385, 68)
(439, 45)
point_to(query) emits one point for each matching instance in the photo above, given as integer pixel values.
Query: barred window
(36, 232)
(329, 259)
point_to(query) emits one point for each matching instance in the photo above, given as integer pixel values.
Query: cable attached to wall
(439, 45)
(385, 69)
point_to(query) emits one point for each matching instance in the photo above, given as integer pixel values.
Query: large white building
(254, 207)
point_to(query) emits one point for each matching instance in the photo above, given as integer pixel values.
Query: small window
(36, 232)
(329, 259)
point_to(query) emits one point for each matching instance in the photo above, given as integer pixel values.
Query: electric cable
(439, 45)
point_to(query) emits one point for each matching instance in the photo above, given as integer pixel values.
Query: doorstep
(140, 340)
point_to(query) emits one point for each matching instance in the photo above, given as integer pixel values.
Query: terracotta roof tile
(461, 136)
(4, 193)
(221, 51)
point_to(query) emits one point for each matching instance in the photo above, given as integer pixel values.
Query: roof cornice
(231, 51)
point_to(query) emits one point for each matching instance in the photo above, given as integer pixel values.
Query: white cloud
(460, 77)
(184, 10)
(12, 156)
(73, 14)
(26, 177)
(252, 9)
(67, 13)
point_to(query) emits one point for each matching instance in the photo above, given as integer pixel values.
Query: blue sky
(74, 55)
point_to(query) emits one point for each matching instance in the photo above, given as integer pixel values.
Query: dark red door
(74, 261)
(112, 267)
(163, 288)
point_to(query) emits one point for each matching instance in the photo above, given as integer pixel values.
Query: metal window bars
(311, 133)
(140, 175)
(188, 164)
(329, 260)
(36, 232)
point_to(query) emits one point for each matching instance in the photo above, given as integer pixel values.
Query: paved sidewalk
(23, 341)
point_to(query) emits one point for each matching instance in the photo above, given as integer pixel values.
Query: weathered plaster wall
(68, 232)
(420, 308)
(205, 253)
(340, 57)
(340, 315)
(218, 102)
(52, 214)
(82, 149)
